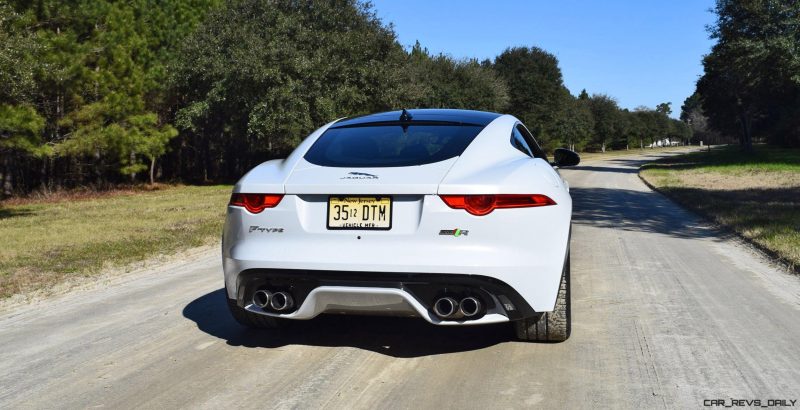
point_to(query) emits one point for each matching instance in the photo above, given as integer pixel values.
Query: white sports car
(453, 216)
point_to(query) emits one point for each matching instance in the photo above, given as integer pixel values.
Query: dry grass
(589, 156)
(46, 242)
(80, 194)
(757, 196)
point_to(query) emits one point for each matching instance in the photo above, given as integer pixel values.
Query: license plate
(359, 212)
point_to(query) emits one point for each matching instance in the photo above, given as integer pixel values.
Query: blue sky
(641, 52)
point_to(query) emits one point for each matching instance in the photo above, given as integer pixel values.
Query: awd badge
(453, 232)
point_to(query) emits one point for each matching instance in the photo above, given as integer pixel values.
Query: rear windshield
(390, 145)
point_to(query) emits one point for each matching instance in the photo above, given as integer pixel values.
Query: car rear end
(380, 217)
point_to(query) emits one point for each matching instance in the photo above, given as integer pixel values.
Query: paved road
(666, 314)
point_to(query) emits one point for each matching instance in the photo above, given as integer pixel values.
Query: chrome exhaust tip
(470, 306)
(281, 301)
(445, 308)
(262, 298)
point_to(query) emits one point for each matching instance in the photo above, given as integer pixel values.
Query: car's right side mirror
(563, 157)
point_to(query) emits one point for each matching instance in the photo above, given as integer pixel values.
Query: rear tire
(552, 326)
(253, 320)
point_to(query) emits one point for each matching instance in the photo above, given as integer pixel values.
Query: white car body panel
(308, 178)
(271, 176)
(524, 247)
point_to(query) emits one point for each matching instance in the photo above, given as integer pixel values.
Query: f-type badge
(359, 175)
(453, 232)
(261, 229)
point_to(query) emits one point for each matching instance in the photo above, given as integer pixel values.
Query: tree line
(101, 92)
(750, 89)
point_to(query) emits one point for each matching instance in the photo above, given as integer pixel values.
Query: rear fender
(270, 177)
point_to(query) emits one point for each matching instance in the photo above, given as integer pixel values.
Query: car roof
(432, 115)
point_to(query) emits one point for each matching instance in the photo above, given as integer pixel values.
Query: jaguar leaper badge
(359, 175)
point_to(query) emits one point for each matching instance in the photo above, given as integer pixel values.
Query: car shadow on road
(642, 211)
(391, 336)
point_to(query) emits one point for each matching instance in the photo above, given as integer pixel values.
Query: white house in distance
(665, 142)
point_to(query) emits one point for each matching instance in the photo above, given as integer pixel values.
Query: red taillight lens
(484, 204)
(256, 203)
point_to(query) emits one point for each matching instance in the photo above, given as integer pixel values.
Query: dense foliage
(98, 92)
(751, 84)
(258, 75)
(83, 96)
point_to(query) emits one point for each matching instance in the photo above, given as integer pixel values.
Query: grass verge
(755, 195)
(50, 241)
(589, 156)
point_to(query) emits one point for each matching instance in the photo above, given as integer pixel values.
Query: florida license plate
(359, 212)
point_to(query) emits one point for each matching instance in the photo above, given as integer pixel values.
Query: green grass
(47, 242)
(756, 195)
(730, 159)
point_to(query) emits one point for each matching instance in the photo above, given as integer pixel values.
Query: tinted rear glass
(390, 145)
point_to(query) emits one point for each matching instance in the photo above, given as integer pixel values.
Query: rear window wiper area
(391, 143)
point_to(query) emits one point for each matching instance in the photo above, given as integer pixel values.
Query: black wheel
(552, 326)
(253, 320)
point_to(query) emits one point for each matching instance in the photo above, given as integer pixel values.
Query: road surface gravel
(667, 312)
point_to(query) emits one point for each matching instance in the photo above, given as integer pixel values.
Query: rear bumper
(524, 249)
(395, 294)
(368, 300)
(536, 284)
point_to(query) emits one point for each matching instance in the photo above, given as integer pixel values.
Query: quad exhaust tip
(262, 298)
(281, 301)
(446, 308)
(469, 306)
(449, 308)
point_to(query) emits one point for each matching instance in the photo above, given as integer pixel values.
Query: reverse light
(256, 203)
(484, 204)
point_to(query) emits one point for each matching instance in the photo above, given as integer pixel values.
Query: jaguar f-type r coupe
(452, 216)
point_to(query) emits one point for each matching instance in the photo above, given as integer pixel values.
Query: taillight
(256, 203)
(484, 204)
